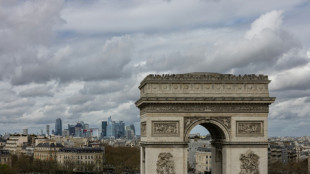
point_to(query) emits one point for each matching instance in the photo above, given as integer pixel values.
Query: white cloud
(269, 21)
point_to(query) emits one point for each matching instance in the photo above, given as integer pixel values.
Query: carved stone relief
(165, 164)
(249, 163)
(226, 121)
(250, 128)
(205, 108)
(143, 129)
(188, 121)
(165, 128)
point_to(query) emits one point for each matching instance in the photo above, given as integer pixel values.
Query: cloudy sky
(83, 60)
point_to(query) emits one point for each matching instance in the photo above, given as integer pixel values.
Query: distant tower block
(58, 127)
(47, 130)
(104, 129)
(25, 131)
(234, 109)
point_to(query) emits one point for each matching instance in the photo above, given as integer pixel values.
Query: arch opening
(216, 129)
(203, 155)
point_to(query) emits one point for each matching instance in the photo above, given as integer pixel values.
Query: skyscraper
(133, 129)
(114, 129)
(104, 128)
(25, 131)
(71, 129)
(110, 128)
(120, 129)
(58, 127)
(47, 130)
(130, 131)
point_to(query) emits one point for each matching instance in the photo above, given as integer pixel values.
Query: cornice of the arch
(205, 108)
(149, 100)
(224, 123)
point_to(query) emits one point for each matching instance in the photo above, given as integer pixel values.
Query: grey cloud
(92, 106)
(26, 29)
(15, 109)
(101, 87)
(8, 95)
(79, 99)
(126, 112)
(293, 58)
(18, 103)
(240, 56)
(50, 114)
(84, 109)
(290, 94)
(289, 109)
(171, 16)
(106, 62)
(36, 63)
(293, 79)
(106, 99)
(41, 91)
(111, 64)
(307, 100)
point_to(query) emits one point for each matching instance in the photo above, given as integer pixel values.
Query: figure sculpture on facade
(165, 164)
(249, 163)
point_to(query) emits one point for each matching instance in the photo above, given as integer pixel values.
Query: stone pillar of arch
(233, 108)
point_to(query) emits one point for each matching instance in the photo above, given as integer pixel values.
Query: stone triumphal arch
(234, 109)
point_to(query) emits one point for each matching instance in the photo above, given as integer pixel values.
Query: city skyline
(47, 131)
(84, 61)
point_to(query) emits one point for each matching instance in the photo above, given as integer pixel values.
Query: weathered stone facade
(234, 109)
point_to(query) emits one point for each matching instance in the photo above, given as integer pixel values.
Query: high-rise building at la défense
(47, 130)
(58, 127)
(112, 129)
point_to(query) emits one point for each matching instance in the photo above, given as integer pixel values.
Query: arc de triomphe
(234, 109)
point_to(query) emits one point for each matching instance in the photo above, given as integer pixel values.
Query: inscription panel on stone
(250, 128)
(165, 128)
(143, 129)
(205, 88)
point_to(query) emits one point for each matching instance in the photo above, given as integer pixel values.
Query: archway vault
(219, 128)
(233, 108)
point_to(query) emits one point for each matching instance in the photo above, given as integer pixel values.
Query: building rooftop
(203, 149)
(204, 77)
(81, 150)
(49, 145)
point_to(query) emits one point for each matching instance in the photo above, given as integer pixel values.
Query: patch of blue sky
(303, 4)
(66, 33)
(199, 129)
(240, 21)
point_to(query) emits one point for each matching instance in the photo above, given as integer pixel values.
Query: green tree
(122, 158)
